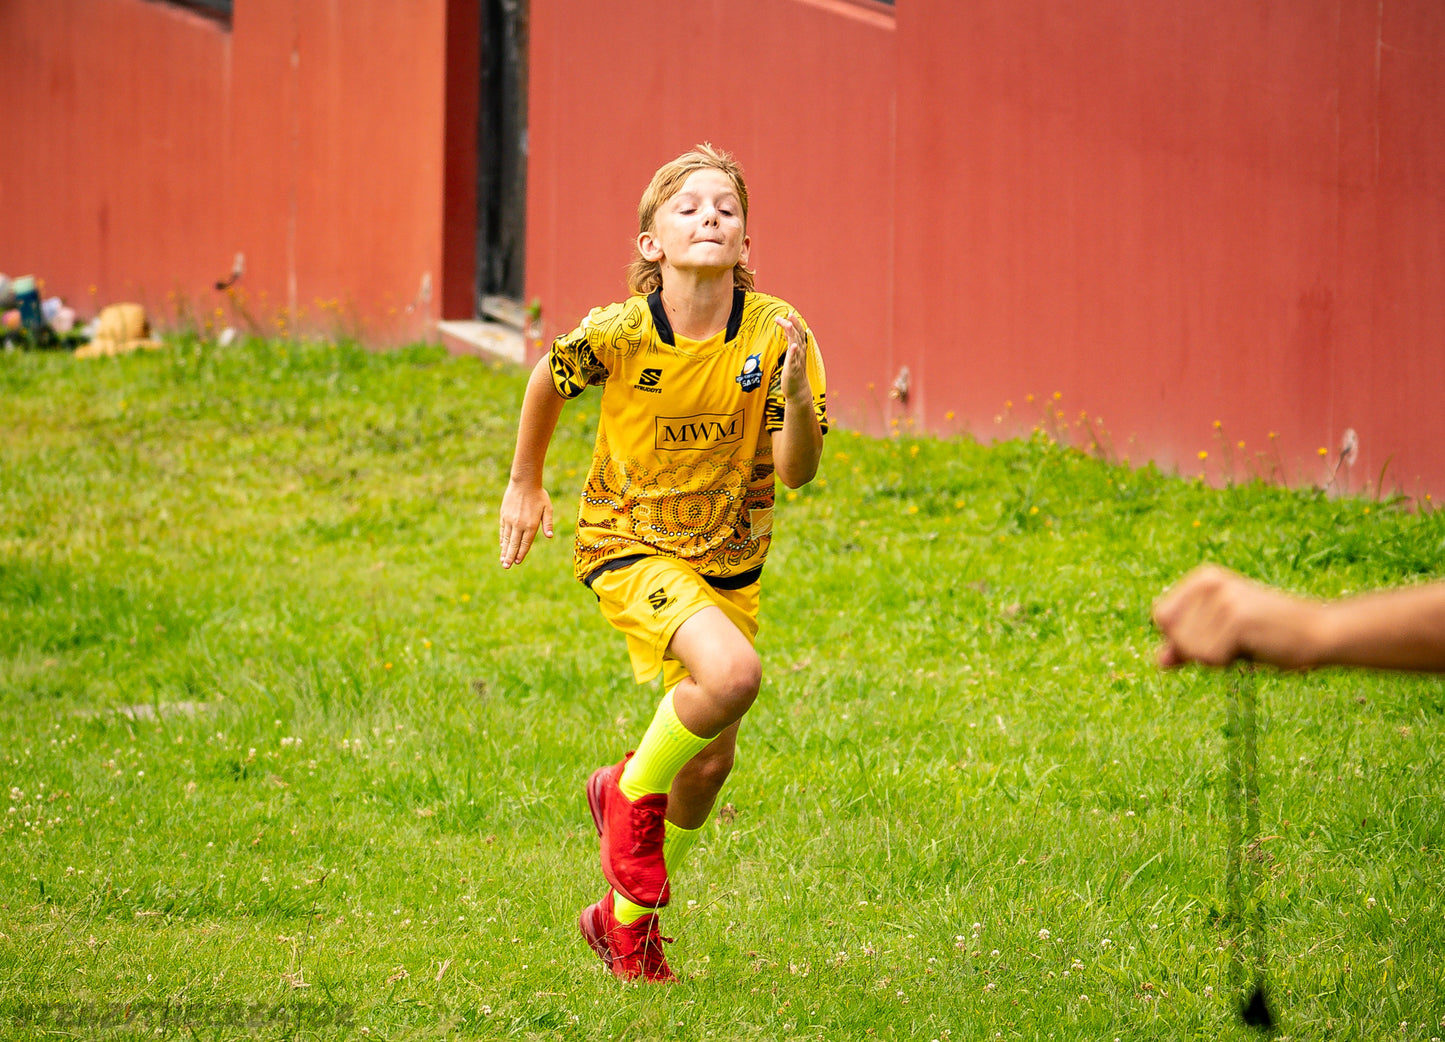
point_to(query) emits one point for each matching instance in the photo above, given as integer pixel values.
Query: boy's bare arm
(526, 506)
(1215, 616)
(798, 447)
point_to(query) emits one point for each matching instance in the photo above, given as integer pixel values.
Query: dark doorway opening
(502, 166)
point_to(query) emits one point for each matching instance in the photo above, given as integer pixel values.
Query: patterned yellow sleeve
(574, 364)
(817, 380)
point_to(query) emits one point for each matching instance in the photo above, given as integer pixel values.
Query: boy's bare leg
(725, 676)
(696, 786)
(680, 765)
(725, 673)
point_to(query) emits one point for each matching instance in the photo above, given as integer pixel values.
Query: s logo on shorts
(659, 599)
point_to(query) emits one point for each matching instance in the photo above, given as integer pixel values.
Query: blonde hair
(643, 275)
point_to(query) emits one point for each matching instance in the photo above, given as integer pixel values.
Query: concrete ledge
(486, 339)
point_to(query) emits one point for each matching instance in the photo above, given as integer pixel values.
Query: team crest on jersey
(751, 378)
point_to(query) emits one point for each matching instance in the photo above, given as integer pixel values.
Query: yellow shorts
(650, 598)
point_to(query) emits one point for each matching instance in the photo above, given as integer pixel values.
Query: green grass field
(288, 755)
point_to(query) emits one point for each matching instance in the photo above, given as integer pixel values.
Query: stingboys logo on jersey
(751, 378)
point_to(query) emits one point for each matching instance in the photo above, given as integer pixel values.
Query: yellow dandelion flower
(1196, 522)
(1323, 451)
(1217, 425)
(913, 508)
(913, 450)
(1028, 398)
(1240, 445)
(466, 597)
(1273, 435)
(1033, 510)
(948, 415)
(1203, 454)
(1008, 404)
(387, 666)
(1058, 395)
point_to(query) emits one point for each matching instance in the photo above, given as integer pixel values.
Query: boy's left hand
(795, 362)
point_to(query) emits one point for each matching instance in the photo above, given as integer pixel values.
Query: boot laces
(646, 823)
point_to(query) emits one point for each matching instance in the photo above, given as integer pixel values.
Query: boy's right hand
(524, 510)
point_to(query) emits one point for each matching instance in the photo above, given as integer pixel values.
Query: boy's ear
(649, 247)
(747, 245)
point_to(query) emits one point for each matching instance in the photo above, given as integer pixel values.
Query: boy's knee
(739, 683)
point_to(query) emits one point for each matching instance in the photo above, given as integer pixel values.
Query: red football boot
(632, 833)
(629, 952)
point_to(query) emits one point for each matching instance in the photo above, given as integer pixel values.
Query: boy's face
(699, 229)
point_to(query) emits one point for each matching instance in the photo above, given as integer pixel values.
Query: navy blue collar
(664, 327)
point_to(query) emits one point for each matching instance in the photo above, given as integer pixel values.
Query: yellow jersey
(683, 463)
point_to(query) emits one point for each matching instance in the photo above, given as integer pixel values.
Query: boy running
(709, 388)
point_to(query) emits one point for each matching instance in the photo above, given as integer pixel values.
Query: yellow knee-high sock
(677, 843)
(664, 749)
(675, 846)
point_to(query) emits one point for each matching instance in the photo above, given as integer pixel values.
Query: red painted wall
(115, 126)
(1175, 214)
(321, 140)
(800, 91)
(1171, 213)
